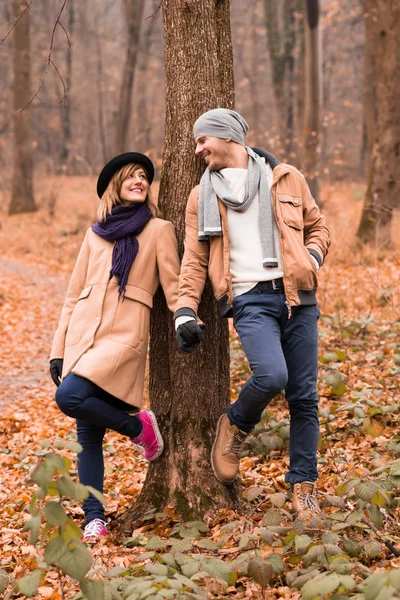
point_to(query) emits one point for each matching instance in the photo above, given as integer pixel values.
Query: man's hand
(189, 333)
(56, 367)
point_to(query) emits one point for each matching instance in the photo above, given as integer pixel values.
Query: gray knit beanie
(221, 123)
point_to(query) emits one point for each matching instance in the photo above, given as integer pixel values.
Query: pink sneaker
(149, 442)
(94, 530)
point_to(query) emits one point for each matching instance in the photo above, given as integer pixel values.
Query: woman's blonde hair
(111, 198)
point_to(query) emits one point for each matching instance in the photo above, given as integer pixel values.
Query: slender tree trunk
(299, 87)
(253, 83)
(106, 155)
(134, 17)
(312, 128)
(383, 192)
(373, 19)
(290, 110)
(189, 392)
(281, 35)
(22, 198)
(66, 114)
(143, 118)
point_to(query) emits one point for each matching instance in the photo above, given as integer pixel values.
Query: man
(253, 225)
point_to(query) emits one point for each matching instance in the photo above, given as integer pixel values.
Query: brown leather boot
(227, 450)
(304, 500)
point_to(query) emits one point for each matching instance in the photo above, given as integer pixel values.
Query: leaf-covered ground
(360, 442)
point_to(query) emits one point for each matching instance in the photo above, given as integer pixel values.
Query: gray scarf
(214, 186)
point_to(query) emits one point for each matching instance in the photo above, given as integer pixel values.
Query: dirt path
(30, 303)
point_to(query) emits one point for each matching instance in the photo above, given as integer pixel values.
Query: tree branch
(16, 21)
(387, 543)
(154, 13)
(49, 60)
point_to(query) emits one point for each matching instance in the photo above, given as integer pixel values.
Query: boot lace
(309, 502)
(235, 443)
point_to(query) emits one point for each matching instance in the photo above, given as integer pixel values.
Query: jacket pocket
(131, 324)
(291, 210)
(78, 318)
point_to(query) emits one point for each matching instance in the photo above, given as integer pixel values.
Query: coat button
(283, 199)
(295, 201)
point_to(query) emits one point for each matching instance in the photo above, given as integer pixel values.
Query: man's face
(214, 151)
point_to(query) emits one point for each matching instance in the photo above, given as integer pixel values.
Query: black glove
(56, 367)
(189, 335)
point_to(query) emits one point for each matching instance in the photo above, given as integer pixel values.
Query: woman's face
(134, 188)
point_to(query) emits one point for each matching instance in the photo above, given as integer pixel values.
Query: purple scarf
(121, 226)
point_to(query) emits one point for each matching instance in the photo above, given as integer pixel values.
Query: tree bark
(312, 107)
(22, 198)
(106, 155)
(143, 109)
(66, 114)
(134, 17)
(189, 392)
(300, 86)
(382, 195)
(372, 66)
(280, 23)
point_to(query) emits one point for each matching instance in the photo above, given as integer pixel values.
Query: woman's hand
(56, 367)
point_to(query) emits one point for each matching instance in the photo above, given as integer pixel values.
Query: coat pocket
(131, 324)
(291, 210)
(78, 318)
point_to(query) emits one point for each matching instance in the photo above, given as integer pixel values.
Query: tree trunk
(299, 86)
(22, 199)
(312, 126)
(134, 17)
(189, 392)
(105, 153)
(372, 70)
(143, 112)
(281, 35)
(383, 190)
(66, 114)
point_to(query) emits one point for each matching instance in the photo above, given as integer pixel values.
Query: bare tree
(372, 67)
(99, 91)
(280, 21)
(382, 195)
(22, 198)
(66, 114)
(189, 392)
(143, 110)
(134, 17)
(312, 106)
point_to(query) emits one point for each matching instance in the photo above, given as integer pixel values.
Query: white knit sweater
(244, 238)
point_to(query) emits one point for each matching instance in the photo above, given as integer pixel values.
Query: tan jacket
(302, 228)
(105, 339)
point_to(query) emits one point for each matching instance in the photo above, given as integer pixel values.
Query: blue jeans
(283, 355)
(95, 410)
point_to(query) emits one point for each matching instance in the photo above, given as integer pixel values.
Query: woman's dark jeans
(95, 410)
(283, 355)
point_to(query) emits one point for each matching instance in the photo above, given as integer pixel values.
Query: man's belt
(272, 284)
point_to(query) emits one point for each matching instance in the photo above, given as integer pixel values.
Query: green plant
(52, 530)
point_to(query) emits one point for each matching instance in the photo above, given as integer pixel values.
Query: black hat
(120, 161)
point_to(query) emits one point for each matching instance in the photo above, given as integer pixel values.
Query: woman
(99, 349)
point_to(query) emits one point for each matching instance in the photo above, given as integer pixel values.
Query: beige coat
(302, 229)
(103, 338)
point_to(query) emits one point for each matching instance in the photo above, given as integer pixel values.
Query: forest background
(97, 89)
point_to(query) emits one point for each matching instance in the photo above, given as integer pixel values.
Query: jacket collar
(270, 158)
(279, 168)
